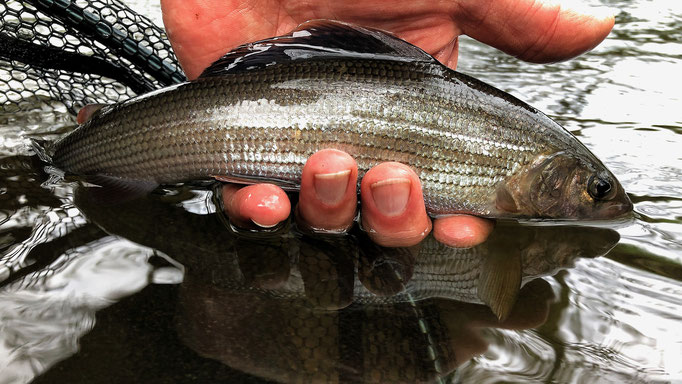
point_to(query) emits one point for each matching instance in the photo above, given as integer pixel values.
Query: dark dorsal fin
(317, 39)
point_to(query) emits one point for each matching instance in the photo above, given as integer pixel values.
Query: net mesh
(56, 55)
(78, 52)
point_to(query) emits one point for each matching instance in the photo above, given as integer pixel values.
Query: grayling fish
(262, 109)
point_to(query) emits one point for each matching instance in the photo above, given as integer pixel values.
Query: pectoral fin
(499, 282)
(505, 201)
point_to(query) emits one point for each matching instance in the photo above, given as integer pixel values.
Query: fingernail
(391, 195)
(331, 187)
(264, 225)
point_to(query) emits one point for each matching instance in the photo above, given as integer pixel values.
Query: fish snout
(619, 206)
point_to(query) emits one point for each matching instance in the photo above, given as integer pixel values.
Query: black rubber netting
(56, 54)
(79, 52)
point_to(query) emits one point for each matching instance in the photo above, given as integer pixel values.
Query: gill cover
(553, 177)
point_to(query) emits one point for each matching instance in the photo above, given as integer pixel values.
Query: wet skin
(392, 205)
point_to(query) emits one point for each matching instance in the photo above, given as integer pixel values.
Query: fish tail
(43, 149)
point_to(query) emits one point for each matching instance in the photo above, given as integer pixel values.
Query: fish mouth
(616, 209)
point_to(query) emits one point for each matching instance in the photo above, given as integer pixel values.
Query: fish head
(564, 185)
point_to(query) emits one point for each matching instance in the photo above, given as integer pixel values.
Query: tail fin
(43, 149)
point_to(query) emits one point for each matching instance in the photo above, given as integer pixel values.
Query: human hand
(201, 31)
(393, 211)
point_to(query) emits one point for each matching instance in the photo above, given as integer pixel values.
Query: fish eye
(600, 188)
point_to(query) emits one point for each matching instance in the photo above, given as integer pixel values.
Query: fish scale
(260, 112)
(183, 134)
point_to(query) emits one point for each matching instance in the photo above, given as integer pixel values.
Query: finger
(448, 55)
(462, 231)
(393, 211)
(537, 31)
(195, 32)
(201, 31)
(87, 112)
(328, 196)
(265, 205)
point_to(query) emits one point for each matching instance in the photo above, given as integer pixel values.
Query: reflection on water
(285, 306)
(163, 291)
(322, 270)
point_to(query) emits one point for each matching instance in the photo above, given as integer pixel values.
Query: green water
(110, 310)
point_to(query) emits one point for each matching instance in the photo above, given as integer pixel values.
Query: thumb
(532, 30)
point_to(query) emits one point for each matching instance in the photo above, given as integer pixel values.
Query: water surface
(142, 296)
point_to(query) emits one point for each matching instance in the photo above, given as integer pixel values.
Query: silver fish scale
(461, 136)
